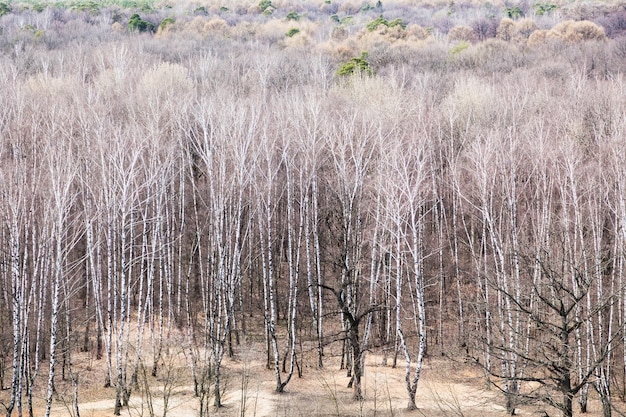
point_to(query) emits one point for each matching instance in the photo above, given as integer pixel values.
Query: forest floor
(446, 388)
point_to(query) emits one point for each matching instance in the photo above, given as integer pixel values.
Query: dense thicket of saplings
(389, 177)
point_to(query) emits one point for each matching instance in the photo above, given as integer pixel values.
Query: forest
(328, 180)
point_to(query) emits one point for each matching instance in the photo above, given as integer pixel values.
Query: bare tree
(62, 173)
(274, 178)
(306, 119)
(223, 144)
(562, 275)
(353, 145)
(409, 165)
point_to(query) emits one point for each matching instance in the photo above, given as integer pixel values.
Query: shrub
(166, 21)
(86, 6)
(526, 27)
(339, 33)
(418, 32)
(614, 24)
(136, 24)
(583, 30)
(514, 12)
(462, 33)
(266, 6)
(373, 25)
(381, 21)
(329, 8)
(38, 7)
(37, 33)
(397, 23)
(204, 27)
(443, 24)
(141, 5)
(291, 32)
(618, 49)
(462, 46)
(358, 65)
(484, 28)
(544, 8)
(538, 37)
(347, 20)
(506, 29)
(293, 16)
(4, 8)
(495, 56)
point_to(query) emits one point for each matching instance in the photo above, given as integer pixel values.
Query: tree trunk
(357, 366)
(568, 410)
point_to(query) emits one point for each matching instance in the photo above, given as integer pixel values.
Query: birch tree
(15, 203)
(275, 178)
(306, 121)
(62, 170)
(408, 164)
(223, 144)
(352, 142)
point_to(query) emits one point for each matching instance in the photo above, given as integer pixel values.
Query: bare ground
(446, 388)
